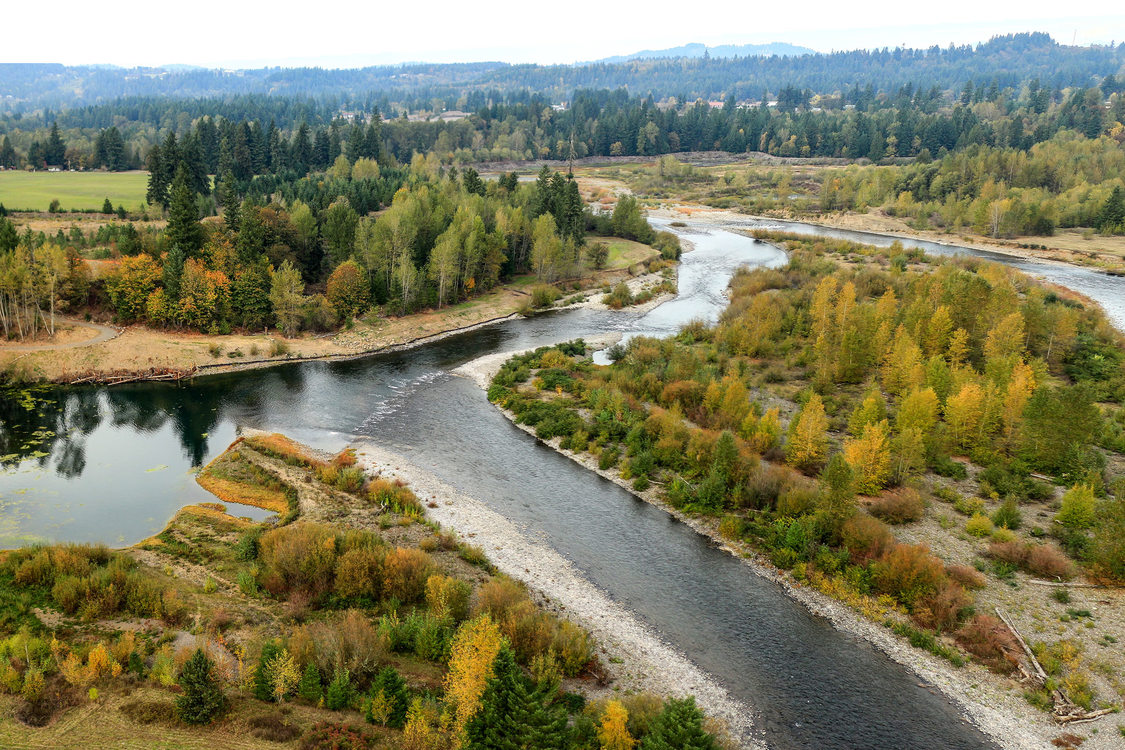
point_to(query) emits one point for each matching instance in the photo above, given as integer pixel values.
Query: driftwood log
(1065, 710)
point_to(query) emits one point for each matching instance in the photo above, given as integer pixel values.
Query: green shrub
(620, 297)
(1007, 516)
(969, 506)
(608, 458)
(433, 638)
(944, 466)
(979, 525)
(543, 295)
(573, 646)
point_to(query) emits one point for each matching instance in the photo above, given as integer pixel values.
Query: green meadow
(77, 191)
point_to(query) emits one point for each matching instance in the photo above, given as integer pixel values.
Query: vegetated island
(937, 444)
(349, 620)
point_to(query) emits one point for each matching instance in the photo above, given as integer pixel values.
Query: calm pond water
(115, 464)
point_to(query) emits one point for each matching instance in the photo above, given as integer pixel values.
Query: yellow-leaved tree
(902, 367)
(808, 435)
(613, 734)
(418, 734)
(870, 458)
(1020, 387)
(964, 413)
(471, 659)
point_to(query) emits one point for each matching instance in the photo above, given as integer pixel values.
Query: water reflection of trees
(51, 425)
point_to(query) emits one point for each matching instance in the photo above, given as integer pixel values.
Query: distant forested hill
(695, 49)
(1005, 61)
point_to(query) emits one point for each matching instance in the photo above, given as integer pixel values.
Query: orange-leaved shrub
(865, 538)
(908, 572)
(942, 609)
(1048, 561)
(966, 575)
(300, 556)
(990, 641)
(898, 506)
(404, 574)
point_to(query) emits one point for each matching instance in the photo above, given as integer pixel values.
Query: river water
(118, 462)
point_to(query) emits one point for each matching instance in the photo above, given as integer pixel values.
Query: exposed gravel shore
(994, 704)
(642, 660)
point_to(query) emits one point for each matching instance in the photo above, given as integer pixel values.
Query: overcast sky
(347, 33)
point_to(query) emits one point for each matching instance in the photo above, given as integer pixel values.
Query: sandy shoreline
(643, 661)
(988, 701)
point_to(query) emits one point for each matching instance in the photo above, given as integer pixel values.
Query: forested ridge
(1005, 59)
(262, 134)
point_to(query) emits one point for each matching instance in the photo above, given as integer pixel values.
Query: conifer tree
(157, 193)
(202, 698)
(393, 687)
(263, 680)
(678, 727)
(310, 688)
(55, 151)
(839, 490)
(339, 692)
(513, 714)
(184, 230)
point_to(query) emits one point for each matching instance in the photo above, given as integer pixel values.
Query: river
(120, 462)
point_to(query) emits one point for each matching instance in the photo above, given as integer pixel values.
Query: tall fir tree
(55, 150)
(393, 687)
(157, 193)
(184, 230)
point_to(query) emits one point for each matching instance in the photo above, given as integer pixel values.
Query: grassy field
(34, 191)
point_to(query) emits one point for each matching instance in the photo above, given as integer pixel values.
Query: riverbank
(994, 704)
(141, 353)
(1106, 254)
(637, 658)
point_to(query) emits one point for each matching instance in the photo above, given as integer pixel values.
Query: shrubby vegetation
(393, 625)
(894, 369)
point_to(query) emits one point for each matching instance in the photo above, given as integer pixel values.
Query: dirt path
(102, 334)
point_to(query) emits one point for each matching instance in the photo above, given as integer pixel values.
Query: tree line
(444, 236)
(911, 121)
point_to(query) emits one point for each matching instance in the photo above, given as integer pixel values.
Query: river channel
(121, 461)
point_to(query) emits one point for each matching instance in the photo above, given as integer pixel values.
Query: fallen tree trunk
(1065, 710)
